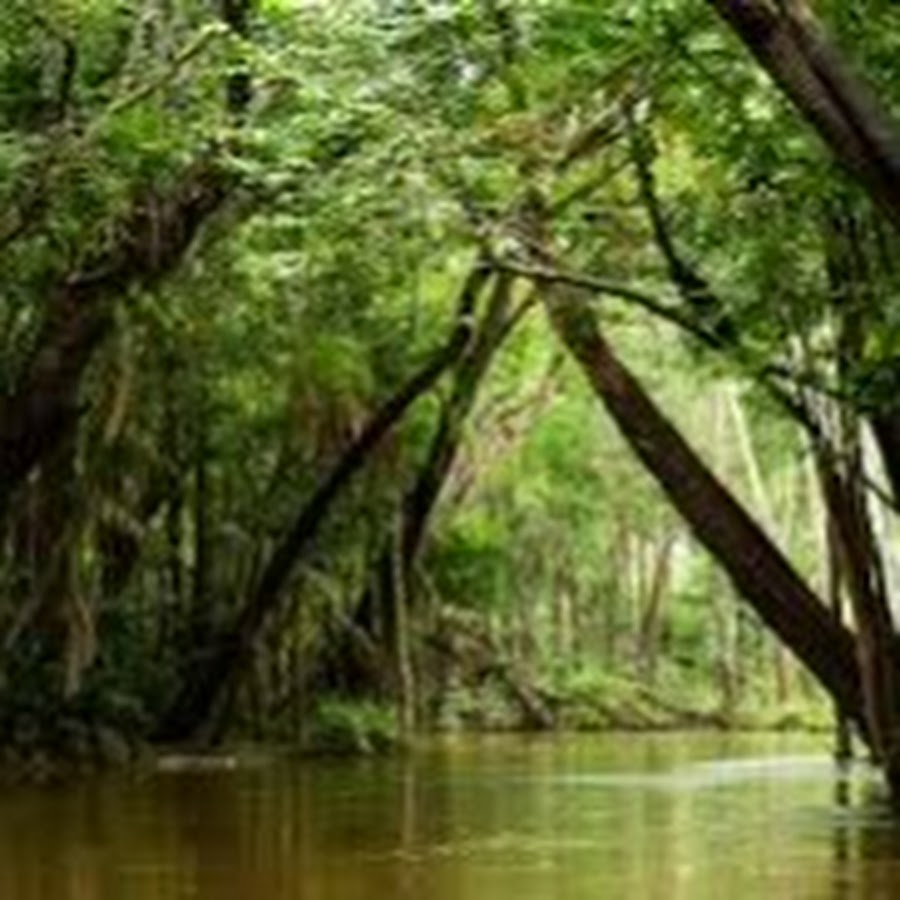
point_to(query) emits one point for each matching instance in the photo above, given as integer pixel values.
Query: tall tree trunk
(404, 673)
(651, 626)
(769, 521)
(843, 741)
(201, 613)
(861, 563)
(843, 478)
(172, 607)
(421, 500)
(727, 650)
(120, 545)
(53, 609)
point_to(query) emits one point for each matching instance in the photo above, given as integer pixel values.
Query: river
(490, 818)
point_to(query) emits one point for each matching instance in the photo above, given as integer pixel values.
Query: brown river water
(489, 818)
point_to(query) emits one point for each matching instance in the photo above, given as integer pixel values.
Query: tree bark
(151, 239)
(44, 403)
(769, 521)
(199, 698)
(651, 621)
(843, 738)
(886, 429)
(843, 476)
(404, 671)
(791, 45)
(758, 570)
(860, 564)
(422, 497)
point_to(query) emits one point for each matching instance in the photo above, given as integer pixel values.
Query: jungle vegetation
(374, 366)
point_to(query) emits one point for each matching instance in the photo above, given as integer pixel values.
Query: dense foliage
(290, 447)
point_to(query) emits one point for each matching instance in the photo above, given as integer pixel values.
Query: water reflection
(865, 841)
(584, 817)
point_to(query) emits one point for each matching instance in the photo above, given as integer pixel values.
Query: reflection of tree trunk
(410, 884)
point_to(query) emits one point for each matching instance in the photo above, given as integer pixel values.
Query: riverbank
(75, 744)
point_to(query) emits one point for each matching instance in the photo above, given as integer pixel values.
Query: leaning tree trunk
(201, 696)
(793, 48)
(473, 367)
(758, 570)
(375, 611)
(763, 577)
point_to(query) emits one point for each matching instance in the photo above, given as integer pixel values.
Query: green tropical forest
(449, 448)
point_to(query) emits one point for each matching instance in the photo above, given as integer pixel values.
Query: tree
(792, 46)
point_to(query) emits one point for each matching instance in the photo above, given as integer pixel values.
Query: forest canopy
(382, 365)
